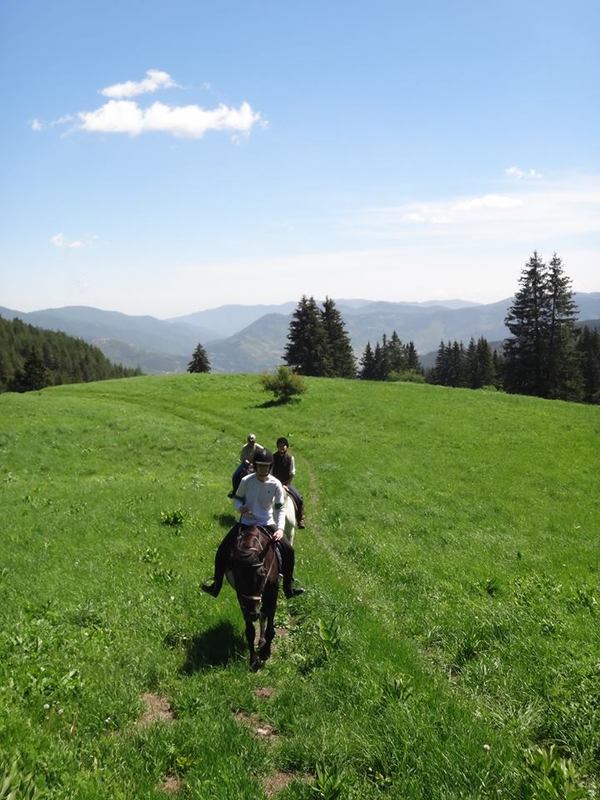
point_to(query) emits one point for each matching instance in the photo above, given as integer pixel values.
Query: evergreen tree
(367, 364)
(527, 320)
(563, 370)
(498, 366)
(589, 349)
(34, 374)
(472, 366)
(486, 372)
(457, 376)
(199, 362)
(542, 357)
(307, 351)
(341, 358)
(441, 368)
(396, 354)
(412, 358)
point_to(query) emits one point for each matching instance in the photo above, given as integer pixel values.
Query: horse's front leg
(255, 661)
(267, 620)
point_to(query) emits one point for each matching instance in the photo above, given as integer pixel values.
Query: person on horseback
(284, 469)
(247, 454)
(260, 499)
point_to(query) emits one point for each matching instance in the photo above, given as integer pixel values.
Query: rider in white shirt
(260, 500)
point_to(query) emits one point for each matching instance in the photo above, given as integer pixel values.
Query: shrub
(406, 376)
(283, 384)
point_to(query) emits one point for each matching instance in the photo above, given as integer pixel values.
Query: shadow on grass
(291, 401)
(216, 647)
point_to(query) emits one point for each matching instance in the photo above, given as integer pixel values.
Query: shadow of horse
(216, 647)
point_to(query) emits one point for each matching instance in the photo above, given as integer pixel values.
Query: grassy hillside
(447, 646)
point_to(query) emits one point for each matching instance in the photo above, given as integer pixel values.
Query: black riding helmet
(263, 456)
(282, 440)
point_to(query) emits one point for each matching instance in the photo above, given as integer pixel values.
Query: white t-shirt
(266, 500)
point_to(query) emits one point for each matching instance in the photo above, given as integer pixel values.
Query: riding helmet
(263, 456)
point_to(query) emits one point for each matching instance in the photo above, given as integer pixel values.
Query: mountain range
(252, 338)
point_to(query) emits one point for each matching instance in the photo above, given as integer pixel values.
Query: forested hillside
(32, 358)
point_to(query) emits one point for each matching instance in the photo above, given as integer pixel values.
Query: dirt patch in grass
(170, 784)
(156, 709)
(264, 692)
(277, 781)
(262, 730)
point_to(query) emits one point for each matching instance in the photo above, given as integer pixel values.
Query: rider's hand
(278, 535)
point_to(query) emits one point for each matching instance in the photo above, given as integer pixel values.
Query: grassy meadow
(448, 645)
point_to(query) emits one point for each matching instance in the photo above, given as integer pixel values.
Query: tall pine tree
(307, 351)
(563, 370)
(527, 320)
(541, 357)
(341, 362)
(367, 364)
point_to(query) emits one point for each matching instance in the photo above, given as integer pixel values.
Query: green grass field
(448, 645)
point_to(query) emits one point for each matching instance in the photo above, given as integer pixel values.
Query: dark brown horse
(254, 574)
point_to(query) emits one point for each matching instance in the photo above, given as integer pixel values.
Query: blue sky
(164, 157)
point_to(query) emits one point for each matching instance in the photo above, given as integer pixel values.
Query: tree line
(32, 358)
(546, 355)
(474, 367)
(391, 360)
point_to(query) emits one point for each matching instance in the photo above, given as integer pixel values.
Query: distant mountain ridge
(259, 332)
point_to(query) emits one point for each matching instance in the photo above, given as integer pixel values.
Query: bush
(407, 376)
(283, 383)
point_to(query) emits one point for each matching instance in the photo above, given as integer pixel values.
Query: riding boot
(288, 558)
(221, 561)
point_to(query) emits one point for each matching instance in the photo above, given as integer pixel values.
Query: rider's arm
(292, 468)
(239, 498)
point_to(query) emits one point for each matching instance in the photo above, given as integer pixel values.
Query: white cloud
(37, 125)
(155, 79)
(532, 214)
(126, 116)
(516, 172)
(445, 212)
(59, 240)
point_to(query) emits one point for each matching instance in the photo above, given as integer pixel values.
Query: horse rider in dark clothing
(284, 468)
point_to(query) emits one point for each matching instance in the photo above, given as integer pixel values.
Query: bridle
(258, 598)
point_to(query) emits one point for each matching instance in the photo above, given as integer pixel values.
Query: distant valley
(252, 338)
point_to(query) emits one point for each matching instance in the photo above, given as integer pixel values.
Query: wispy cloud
(59, 240)
(516, 172)
(192, 121)
(37, 125)
(155, 79)
(545, 215)
(448, 212)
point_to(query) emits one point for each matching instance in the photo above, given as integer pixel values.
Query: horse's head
(250, 572)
